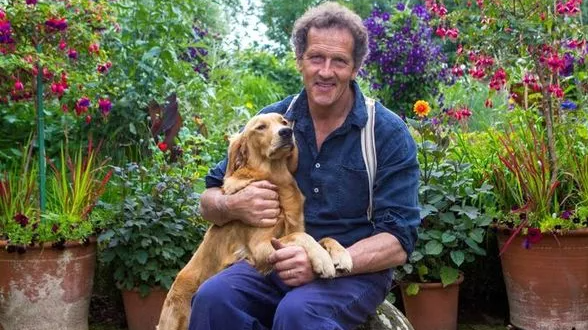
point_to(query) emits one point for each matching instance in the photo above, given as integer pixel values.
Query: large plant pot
(46, 288)
(434, 308)
(142, 313)
(547, 284)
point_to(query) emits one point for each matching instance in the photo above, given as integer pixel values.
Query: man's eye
(261, 127)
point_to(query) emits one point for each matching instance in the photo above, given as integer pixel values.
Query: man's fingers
(267, 222)
(265, 185)
(277, 244)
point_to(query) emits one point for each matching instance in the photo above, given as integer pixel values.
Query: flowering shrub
(533, 52)
(405, 61)
(63, 40)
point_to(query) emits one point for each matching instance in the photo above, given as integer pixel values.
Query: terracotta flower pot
(46, 288)
(547, 284)
(434, 307)
(142, 313)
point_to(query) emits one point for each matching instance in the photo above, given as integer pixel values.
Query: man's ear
(293, 159)
(238, 154)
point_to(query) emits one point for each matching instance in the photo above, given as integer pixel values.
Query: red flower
(88, 119)
(62, 45)
(21, 219)
(162, 146)
(488, 103)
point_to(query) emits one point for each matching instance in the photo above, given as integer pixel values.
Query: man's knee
(211, 293)
(297, 312)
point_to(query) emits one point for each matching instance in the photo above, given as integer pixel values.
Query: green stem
(41, 133)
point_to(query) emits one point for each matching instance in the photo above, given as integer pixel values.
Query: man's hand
(291, 264)
(256, 205)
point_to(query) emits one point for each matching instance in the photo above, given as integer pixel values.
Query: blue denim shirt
(334, 179)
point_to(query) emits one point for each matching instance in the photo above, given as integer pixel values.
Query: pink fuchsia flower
(82, 105)
(477, 73)
(555, 63)
(460, 114)
(105, 106)
(457, 71)
(72, 53)
(575, 43)
(58, 89)
(56, 24)
(452, 34)
(31, 2)
(498, 80)
(94, 48)
(103, 68)
(556, 91)
(88, 119)
(62, 45)
(441, 32)
(18, 86)
(2, 15)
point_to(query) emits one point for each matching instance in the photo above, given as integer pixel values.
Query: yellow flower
(421, 108)
(249, 105)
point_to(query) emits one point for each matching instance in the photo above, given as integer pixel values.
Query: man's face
(327, 66)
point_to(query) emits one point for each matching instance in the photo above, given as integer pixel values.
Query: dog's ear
(237, 154)
(293, 159)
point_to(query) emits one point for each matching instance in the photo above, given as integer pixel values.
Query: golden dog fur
(265, 150)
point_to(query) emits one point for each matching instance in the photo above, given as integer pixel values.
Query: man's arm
(376, 253)
(256, 205)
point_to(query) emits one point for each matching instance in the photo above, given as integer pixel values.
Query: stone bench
(387, 317)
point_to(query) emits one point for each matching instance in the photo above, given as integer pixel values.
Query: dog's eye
(261, 127)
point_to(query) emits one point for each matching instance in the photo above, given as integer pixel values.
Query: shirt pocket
(352, 191)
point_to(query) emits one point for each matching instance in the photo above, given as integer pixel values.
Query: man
(330, 44)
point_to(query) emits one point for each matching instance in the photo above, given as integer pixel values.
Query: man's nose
(326, 69)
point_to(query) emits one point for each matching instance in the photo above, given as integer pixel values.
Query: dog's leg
(205, 262)
(319, 257)
(340, 256)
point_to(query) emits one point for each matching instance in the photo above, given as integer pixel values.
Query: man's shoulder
(387, 120)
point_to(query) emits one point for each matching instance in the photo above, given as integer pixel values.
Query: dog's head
(265, 139)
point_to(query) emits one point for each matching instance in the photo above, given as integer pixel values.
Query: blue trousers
(240, 298)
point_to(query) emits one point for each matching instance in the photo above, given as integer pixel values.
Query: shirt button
(317, 165)
(316, 190)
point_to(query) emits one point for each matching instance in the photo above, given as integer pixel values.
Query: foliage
(405, 61)
(452, 208)
(280, 15)
(146, 69)
(57, 43)
(75, 186)
(156, 229)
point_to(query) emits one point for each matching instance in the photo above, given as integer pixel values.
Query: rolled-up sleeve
(396, 186)
(215, 175)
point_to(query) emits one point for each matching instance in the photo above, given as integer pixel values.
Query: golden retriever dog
(265, 150)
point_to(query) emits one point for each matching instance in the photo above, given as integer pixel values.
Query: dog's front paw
(342, 261)
(322, 264)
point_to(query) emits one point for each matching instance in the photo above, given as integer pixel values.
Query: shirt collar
(357, 116)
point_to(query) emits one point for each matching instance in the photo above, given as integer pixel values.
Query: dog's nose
(285, 132)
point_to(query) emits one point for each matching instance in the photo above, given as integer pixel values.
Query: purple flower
(105, 106)
(400, 6)
(31, 2)
(566, 214)
(385, 16)
(72, 53)
(568, 105)
(84, 102)
(58, 24)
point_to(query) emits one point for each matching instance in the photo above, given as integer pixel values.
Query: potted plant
(453, 227)
(154, 232)
(48, 258)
